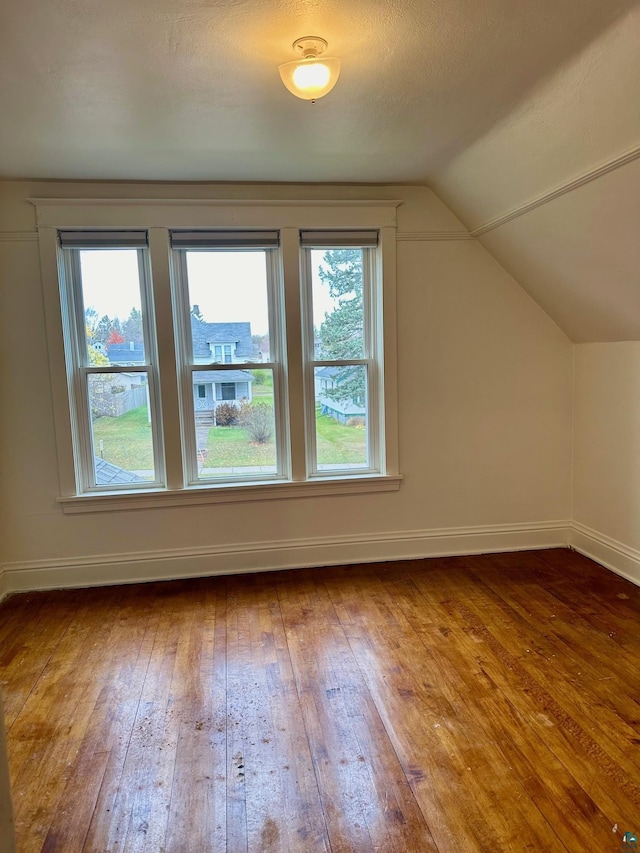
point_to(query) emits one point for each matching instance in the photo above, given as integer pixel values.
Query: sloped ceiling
(553, 190)
(498, 106)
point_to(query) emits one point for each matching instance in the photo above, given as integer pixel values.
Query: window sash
(187, 366)
(79, 370)
(372, 352)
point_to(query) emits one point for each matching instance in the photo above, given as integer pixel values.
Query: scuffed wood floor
(484, 703)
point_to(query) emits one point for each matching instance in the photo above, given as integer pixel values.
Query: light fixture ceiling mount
(310, 78)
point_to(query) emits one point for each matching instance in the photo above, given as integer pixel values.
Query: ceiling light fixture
(310, 78)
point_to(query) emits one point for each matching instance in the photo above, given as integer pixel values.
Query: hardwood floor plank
(122, 702)
(56, 721)
(348, 740)
(449, 729)
(537, 636)
(594, 770)
(292, 817)
(481, 704)
(197, 813)
(29, 655)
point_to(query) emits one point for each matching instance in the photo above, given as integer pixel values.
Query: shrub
(257, 419)
(260, 377)
(357, 421)
(117, 389)
(226, 414)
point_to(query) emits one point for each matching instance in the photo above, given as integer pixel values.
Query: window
(222, 353)
(110, 339)
(263, 379)
(234, 280)
(227, 390)
(341, 331)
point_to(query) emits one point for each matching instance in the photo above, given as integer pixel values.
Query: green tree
(132, 327)
(342, 331)
(96, 357)
(90, 321)
(103, 329)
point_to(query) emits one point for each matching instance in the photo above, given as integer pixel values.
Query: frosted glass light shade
(310, 79)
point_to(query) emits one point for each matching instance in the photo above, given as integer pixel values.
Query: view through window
(232, 358)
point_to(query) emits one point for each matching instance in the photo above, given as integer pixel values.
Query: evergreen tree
(102, 330)
(132, 327)
(342, 333)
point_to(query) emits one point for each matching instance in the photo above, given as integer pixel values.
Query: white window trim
(158, 216)
(81, 370)
(373, 355)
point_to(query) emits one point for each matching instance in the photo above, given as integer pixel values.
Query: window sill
(198, 495)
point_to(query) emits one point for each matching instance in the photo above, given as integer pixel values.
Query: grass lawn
(127, 440)
(264, 392)
(339, 444)
(231, 447)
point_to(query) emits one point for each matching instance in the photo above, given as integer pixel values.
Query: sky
(228, 287)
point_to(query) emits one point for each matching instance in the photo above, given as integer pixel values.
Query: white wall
(606, 491)
(484, 408)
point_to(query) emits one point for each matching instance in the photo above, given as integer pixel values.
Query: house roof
(127, 353)
(328, 372)
(345, 407)
(203, 334)
(206, 376)
(109, 474)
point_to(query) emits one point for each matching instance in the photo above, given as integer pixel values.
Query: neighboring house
(213, 343)
(220, 343)
(328, 378)
(113, 395)
(212, 387)
(127, 353)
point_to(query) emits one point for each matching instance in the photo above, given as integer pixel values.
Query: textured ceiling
(499, 106)
(189, 90)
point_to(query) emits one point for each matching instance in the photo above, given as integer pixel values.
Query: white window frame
(187, 366)
(159, 217)
(80, 370)
(371, 360)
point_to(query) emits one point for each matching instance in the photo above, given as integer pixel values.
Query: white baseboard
(286, 554)
(4, 584)
(610, 553)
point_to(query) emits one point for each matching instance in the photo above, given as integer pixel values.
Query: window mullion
(167, 369)
(290, 247)
(372, 351)
(186, 366)
(308, 356)
(86, 472)
(278, 364)
(386, 349)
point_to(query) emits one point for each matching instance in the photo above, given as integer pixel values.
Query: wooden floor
(455, 705)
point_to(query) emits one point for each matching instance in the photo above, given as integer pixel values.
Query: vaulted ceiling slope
(553, 190)
(494, 104)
